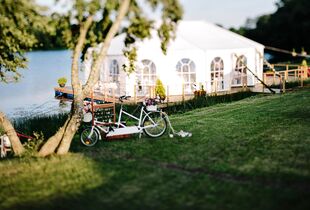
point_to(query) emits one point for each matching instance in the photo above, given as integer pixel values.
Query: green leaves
(140, 25)
(18, 24)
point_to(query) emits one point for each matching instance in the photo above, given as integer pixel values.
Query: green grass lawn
(251, 154)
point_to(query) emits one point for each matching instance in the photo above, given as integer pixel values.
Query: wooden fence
(286, 73)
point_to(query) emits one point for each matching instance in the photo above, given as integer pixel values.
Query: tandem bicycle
(151, 121)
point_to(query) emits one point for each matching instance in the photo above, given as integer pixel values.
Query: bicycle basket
(151, 108)
(151, 104)
(87, 117)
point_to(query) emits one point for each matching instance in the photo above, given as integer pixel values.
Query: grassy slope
(252, 154)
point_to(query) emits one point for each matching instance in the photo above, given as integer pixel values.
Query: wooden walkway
(67, 93)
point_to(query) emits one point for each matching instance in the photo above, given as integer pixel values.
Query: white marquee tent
(202, 54)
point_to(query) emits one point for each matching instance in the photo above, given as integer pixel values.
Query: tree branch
(93, 76)
(75, 81)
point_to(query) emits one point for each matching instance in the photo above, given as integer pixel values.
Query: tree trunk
(73, 124)
(64, 136)
(94, 73)
(53, 142)
(10, 131)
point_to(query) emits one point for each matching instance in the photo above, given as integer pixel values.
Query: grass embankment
(251, 154)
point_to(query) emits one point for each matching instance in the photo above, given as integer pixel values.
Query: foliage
(19, 22)
(33, 145)
(160, 90)
(47, 125)
(205, 101)
(200, 93)
(138, 28)
(62, 80)
(287, 28)
(258, 146)
(51, 39)
(304, 63)
(196, 102)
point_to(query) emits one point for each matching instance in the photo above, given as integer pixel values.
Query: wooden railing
(285, 73)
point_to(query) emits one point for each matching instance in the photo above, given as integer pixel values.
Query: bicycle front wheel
(88, 137)
(154, 124)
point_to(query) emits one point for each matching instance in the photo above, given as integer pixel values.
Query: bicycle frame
(121, 112)
(122, 129)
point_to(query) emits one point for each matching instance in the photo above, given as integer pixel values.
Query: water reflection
(34, 93)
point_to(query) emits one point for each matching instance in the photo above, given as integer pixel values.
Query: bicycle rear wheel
(89, 138)
(154, 124)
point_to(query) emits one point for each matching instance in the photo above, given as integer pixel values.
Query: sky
(228, 13)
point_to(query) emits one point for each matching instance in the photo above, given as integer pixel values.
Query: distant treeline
(288, 28)
(51, 39)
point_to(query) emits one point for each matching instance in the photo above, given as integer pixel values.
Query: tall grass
(48, 125)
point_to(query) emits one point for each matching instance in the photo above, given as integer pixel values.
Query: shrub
(200, 93)
(33, 145)
(62, 81)
(160, 90)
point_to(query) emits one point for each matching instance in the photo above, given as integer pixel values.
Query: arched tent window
(217, 73)
(240, 71)
(146, 76)
(114, 71)
(186, 70)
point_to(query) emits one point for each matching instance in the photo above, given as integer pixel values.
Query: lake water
(33, 94)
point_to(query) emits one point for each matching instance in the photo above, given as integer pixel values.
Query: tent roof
(207, 36)
(193, 35)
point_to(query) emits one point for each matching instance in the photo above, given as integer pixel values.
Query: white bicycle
(150, 121)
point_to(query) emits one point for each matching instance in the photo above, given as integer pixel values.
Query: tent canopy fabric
(198, 35)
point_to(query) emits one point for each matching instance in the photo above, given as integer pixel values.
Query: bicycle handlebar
(124, 97)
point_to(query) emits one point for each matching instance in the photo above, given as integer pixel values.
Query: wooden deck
(67, 93)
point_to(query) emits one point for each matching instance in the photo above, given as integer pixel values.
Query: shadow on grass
(143, 183)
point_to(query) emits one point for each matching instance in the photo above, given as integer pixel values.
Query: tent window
(114, 71)
(217, 73)
(240, 71)
(186, 70)
(146, 76)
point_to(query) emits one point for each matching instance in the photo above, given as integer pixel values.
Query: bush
(205, 101)
(33, 145)
(200, 93)
(160, 90)
(62, 81)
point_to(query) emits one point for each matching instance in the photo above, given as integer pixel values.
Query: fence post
(265, 81)
(302, 78)
(113, 93)
(105, 92)
(283, 85)
(154, 91)
(135, 94)
(167, 95)
(183, 92)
